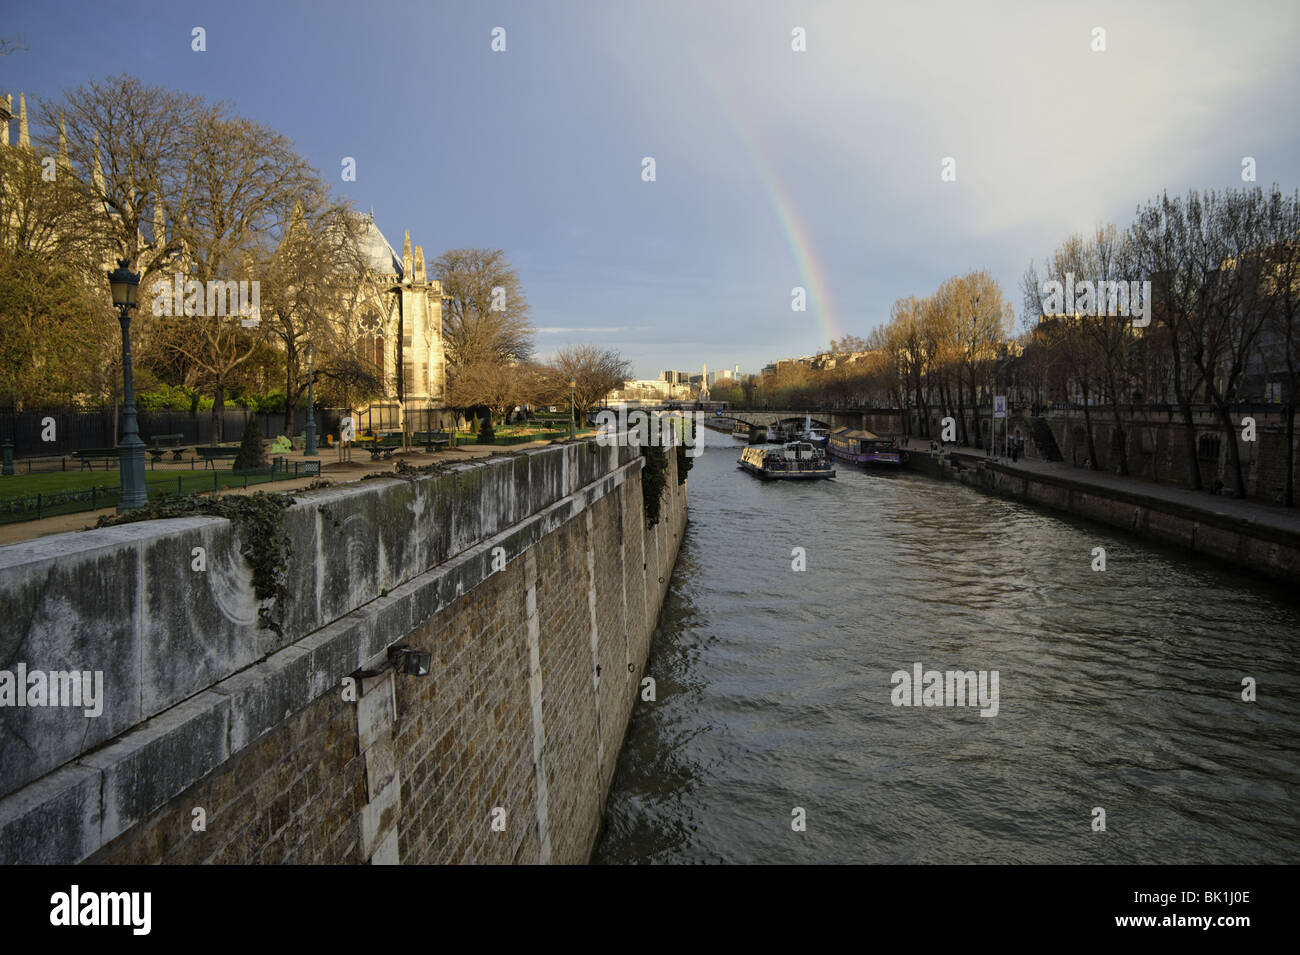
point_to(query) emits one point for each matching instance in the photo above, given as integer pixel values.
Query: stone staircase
(1044, 440)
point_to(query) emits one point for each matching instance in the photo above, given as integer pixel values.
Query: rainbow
(793, 229)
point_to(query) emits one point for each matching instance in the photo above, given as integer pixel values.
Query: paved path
(1257, 512)
(331, 470)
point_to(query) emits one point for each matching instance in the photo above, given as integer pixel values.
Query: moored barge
(796, 461)
(865, 448)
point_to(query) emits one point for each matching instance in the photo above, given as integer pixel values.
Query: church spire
(97, 171)
(295, 217)
(419, 264)
(159, 225)
(63, 143)
(24, 139)
(407, 266)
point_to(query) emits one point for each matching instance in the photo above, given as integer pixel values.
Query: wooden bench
(89, 456)
(160, 444)
(210, 455)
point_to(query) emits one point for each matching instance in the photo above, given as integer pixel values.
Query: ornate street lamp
(130, 452)
(310, 355)
(573, 383)
(402, 283)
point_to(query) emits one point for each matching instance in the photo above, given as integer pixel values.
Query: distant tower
(24, 140)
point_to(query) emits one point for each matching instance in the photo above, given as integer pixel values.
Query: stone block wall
(317, 751)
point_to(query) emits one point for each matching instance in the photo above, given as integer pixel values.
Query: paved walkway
(332, 470)
(1257, 512)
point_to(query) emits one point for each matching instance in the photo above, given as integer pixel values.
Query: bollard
(38, 505)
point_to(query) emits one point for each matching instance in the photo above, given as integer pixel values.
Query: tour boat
(796, 461)
(863, 447)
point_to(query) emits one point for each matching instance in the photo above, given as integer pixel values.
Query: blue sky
(774, 169)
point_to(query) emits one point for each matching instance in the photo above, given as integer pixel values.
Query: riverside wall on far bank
(1249, 536)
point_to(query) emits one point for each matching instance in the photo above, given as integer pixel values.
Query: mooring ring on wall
(661, 580)
(631, 668)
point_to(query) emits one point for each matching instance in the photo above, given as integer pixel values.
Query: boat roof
(855, 433)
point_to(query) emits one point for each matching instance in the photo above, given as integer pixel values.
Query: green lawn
(25, 485)
(71, 492)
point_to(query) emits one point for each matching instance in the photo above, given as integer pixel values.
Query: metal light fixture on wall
(411, 662)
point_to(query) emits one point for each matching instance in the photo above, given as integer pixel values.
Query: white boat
(817, 436)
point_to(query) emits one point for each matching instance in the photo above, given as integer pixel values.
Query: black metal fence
(84, 430)
(34, 507)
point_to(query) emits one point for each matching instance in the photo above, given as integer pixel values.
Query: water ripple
(1119, 690)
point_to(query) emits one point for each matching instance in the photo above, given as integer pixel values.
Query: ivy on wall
(654, 480)
(259, 520)
(684, 463)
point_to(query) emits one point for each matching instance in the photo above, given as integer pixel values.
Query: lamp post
(402, 282)
(130, 451)
(573, 384)
(310, 429)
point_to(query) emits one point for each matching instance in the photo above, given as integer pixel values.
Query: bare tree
(595, 372)
(485, 314)
(130, 146)
(1283, 285)
(316, 264)
(500, 387)
(243, 183)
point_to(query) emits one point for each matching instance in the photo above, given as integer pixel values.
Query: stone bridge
(880, 421)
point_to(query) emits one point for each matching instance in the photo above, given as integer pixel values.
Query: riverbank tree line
(1217, 333)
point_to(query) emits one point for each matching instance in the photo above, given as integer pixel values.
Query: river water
(1119, 690)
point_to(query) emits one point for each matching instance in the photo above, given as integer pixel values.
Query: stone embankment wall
(532, 579)
(1269, 551)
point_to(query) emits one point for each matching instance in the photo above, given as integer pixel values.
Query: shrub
(486, 434)
(252, 453)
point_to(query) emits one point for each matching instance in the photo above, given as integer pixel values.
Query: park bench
(89, 456)
(384, 448)
(432, 440)
(160, 444)
(210, 455)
